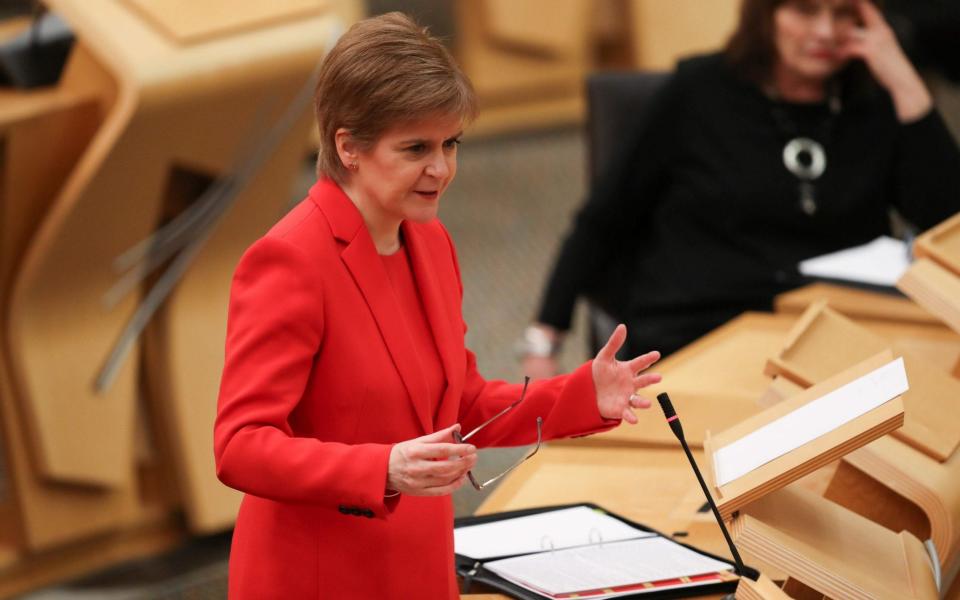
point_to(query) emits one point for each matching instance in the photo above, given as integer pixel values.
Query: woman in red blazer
(346, 373)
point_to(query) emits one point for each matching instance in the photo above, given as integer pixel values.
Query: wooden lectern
(910, 480)
(733, 494)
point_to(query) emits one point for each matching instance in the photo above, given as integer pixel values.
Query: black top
(710, 218)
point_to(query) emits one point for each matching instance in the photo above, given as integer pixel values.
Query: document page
(810, 421)
(603, 567)
(881, 262)
(564, 528)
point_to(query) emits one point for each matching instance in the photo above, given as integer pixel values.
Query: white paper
(810, 421)
(880, 262)
(555, 529)
(606, 566)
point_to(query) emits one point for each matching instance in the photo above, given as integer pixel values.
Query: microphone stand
(674, 421)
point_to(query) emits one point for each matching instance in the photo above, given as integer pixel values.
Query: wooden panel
(833, 550)
(942, 244)
(864, 495)
(189, 21)
(854, 303)
(510, 75)
(935, 288)
(557, 27)
(663, 32)
(823, 343)
(932, 486)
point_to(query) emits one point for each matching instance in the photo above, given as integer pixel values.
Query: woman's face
(407, 170)
(807, 34)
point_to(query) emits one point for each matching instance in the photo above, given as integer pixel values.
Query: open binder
(482, 570)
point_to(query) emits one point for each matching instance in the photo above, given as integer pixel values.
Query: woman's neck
(792, 87)
(384, 230)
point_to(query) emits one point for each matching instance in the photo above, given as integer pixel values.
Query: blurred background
(121, 118)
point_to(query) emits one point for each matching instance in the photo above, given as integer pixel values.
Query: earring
(353, 166)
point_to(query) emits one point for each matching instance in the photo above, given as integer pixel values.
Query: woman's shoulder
(704, 68)
(701, 77)
(296, 223)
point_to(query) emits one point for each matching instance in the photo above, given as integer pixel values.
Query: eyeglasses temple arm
(523, 394)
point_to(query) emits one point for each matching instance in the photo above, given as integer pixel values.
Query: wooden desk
(855, 303)
(713, 383)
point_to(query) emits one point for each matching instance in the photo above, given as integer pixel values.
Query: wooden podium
(158, 101)
(909, 481)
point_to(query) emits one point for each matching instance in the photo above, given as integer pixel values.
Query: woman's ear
(347, 149)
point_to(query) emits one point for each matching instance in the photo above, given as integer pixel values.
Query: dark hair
(384, 71)
(751, 50)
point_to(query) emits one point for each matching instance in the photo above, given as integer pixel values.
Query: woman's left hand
(875, 43)
(617, 382)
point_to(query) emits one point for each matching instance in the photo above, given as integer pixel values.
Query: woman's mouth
(428, 195)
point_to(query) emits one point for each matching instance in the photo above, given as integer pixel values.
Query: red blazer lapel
(361, 259)
(443, 313)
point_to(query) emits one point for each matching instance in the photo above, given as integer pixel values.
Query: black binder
(472, 570)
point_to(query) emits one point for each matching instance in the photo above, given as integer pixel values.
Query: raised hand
(431, 465)
(876, 45)
(617, 382)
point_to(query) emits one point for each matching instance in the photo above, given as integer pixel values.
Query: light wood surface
(762, 589)
(833, 550)
(932, 486)
(936, 288)
(941, 244)
(809, 457)
(186, 21)
(824, 342)
(663, 32)
(854, 303)
(88, 169)
(44, 515)
(713, 383)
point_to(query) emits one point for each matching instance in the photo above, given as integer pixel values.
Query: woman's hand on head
(617, 382)
(876, 45)
(431, 465)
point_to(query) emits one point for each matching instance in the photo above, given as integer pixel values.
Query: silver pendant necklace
(804, 157)
(807, 160)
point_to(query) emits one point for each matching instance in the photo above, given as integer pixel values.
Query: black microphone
(674, 421)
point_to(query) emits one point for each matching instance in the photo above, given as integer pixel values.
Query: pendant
(808, 203)
(805, 158)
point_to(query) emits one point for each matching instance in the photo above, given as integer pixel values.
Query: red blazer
(320, 381)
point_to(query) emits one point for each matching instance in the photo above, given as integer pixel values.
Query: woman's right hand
(431, 465)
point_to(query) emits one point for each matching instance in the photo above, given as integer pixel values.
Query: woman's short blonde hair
(385, 71)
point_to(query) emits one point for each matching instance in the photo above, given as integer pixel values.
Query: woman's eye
(452, 143)
(416, 148)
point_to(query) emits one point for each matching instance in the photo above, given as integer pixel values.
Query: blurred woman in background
(796, 140)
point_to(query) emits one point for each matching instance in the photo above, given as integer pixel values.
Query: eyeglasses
(463, 438)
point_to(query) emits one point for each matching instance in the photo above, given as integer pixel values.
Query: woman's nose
(824, 26)
(438, 167)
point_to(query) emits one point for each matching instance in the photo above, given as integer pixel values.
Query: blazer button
(368, 513)
(356, 511)
(343, 509)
